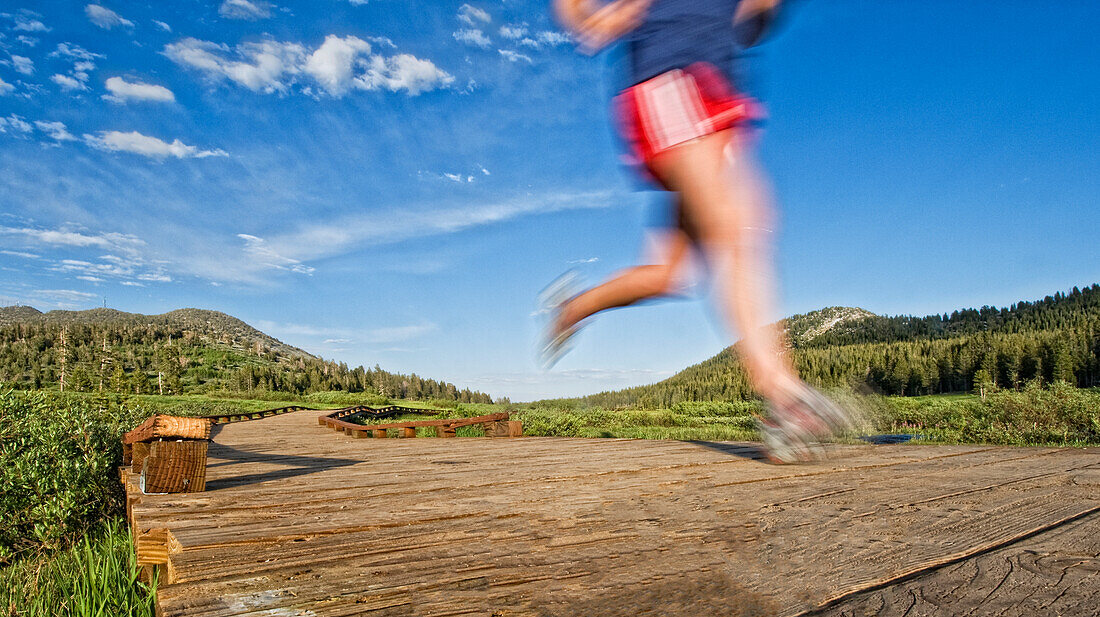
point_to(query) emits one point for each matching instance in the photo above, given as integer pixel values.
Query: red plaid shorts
(678, 106)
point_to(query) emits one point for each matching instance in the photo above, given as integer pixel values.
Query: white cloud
(124, 243)
(341, 336)
(404, 72)
(122, 91)
(386, 227)
(472, 36)
(76, 52)
(471, 15)
(358, 2)
(546, 37)
(136, 143)
(337, 65)
(245, 9)
(382, 41)
(162, 25)
(105, 18)
(25, 22)
(68, 83)
(256, 248)
(15, 123)
(263, 66)
(333, 62)
(56, 130)
(22, 254)
(512, 56)
(22, 64)
(457, 177)
(5, 88)
(29, 41)
(551, 37)
(513, 31)
(483, 170)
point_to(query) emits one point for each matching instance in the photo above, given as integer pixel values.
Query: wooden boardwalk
(300, 521)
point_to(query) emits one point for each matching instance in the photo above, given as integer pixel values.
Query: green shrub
(58, 456)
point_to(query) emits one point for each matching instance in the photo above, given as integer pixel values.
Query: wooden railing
(495, 425)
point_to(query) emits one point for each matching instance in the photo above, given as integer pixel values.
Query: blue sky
(393, 182)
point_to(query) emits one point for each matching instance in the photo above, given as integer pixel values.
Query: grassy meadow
(65, 549)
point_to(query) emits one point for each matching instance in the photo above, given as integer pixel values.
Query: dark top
(677, 33)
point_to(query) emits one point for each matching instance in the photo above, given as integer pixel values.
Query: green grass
(95, 577)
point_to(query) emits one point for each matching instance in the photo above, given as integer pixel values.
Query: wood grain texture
(300, 520)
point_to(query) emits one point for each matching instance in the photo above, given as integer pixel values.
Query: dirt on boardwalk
(301, 521)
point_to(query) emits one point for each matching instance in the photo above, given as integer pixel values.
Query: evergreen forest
(971, 350)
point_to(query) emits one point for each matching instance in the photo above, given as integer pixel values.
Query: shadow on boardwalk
(294, 465)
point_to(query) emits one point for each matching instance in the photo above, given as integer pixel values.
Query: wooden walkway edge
(299, 520)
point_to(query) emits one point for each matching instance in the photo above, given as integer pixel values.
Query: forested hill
(1052, 312)
(183, 351)
(1053, 339)
(209, 326)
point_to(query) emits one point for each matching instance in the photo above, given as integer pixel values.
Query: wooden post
(138, 452)
(379, 433)
(409, 431)
(175, 467)
(360, 434)
(445, 431)
(515, 428)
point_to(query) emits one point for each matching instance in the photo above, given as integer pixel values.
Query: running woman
(687, 121)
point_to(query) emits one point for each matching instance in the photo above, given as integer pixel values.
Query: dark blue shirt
(677, 33)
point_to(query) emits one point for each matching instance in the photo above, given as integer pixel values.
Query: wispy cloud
(122, 91)
(472, 36)
(512, 56)
(5, 87)
(55, 130)
(265, 255)
(26, 21)
(144, 145)
(338, 65)
(105, 18)
(68, 83)
(162, 25)
(245, 9)
(471, 15)
(15, 124)
(513, 31)
(22, 254)
(344, 336)
(69, 237)
(22, 64)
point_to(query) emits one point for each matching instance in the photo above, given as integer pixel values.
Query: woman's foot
(559, 332)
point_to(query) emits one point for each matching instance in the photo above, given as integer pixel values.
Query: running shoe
(551, 299)
(794, 431)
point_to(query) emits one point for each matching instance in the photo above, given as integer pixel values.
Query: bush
(58, 456)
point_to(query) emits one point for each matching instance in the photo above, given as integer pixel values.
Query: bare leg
(728, 207)
(632, 285)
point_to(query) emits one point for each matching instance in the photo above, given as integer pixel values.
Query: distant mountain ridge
(212, 326)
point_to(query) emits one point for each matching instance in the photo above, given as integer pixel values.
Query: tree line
(1056, 339)
(161, 358)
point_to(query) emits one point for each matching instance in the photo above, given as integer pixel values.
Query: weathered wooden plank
(307, 523)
